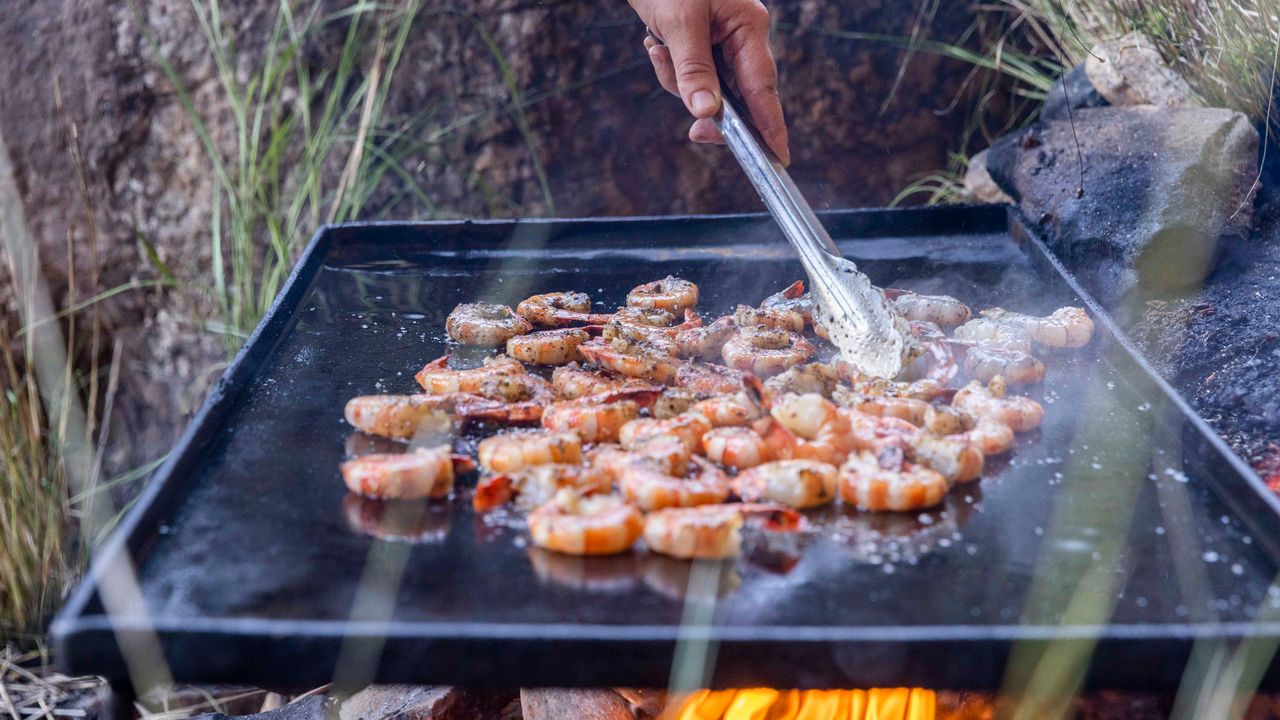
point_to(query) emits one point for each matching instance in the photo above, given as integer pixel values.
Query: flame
(770, 704)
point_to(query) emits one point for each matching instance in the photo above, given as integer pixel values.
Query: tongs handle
(767, 174)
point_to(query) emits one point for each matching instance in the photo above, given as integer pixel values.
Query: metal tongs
(861, 323)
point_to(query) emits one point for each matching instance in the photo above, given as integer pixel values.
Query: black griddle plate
(1122, 522)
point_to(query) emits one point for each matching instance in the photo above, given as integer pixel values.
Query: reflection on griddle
(416, 521)
(360, 444)
(606, 574)
(876, 538)
(670, 577)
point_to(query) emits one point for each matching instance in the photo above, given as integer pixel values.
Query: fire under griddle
(1123, 521)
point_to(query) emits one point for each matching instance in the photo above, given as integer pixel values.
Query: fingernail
(704, 102)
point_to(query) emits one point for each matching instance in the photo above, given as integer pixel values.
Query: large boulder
(1129, 70)
(1160, 187)
(1071, 92)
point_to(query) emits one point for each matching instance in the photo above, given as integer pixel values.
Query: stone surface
(584, 704)
(1072, 91)
(1130, 71)
(609, 140)
(644, 702)
(979, 183)
(1161, 187)
(316, 707)
(399, 702)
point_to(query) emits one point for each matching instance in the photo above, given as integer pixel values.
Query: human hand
(681, 57)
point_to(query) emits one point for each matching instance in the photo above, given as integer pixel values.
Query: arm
(685, 67)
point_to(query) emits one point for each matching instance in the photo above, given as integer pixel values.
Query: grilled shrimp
(672, 402)
(398, 416)
(886, 481)
(793, 298)
(575, 524)
(598, 418)
(640, 363)
(795, 483)
(736, 447)
(904, 408)
(778, 318)
(872, 432)
(537, 484)
(712, 531)
(509, 452)
(548, 347)
(509, 399)
(947, 420)
(670, 293)
(485, 324)
(923, 389)
(711, 379)
(646, 483)
(765, 351)
(425, 472)
(958, 459)
(558, 309)
(571, 383)
(1065, 327)
(814, 377)
(687, 428)
(436, 377)
(943, 310)
(1020, 413)
(988, 332)
(991, 436)
(983, 362)
(705, 342)
(737, 410)
(821, 432)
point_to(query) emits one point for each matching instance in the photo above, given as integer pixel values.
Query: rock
(1161, 186)
(1130, 71)
(644, 701)
(979, 183)
(315, 707)
(580, 704)
(1073, 90)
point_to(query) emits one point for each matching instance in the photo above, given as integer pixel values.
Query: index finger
(757, 78)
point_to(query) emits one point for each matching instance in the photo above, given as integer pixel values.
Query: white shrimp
(1065, 327)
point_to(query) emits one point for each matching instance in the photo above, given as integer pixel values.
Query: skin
(681, 57)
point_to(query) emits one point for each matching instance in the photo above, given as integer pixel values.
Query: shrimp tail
(774, 518)
(756, 388)
(644, 396)
(794, 290)
(484, 409)
(492, 492)
(462, 464)
(439, 364)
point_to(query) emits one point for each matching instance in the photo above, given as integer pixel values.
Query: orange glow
(770, 704)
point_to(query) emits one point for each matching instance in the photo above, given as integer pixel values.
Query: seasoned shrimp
(947, 420)
(983, 362)
(988, 332)
(736, 410)
(1020, 413)
(672, 402)
(795, 483)
(736, 447)
(904, 408)
(534, 485)
(923, 389)
(1065, 327)
(485, 324)
(598, 418)
(958, 459)
(765, 351)
(436, 377)
(548, 347)
(575, 524)
(872, 432)
(425, 472)
(814, 377)
(711, 379)
(571, 383)
(991, 436)
(670, 293)
(778, 318)
(820, 430)
(886, 481)
(687, 428)
(647, 484)
(641, 363)
(712, 531)
(705, 342)
(399, 416)
(793, 298)
(943, 310)
(508, 399)
(509, 452)
(558, 309)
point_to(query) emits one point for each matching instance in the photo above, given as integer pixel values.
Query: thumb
(689, 41)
